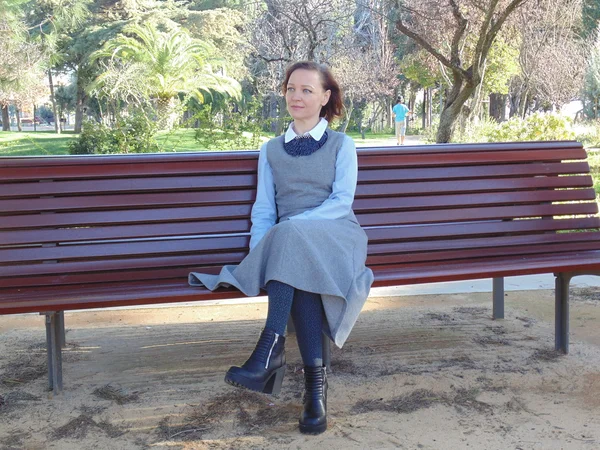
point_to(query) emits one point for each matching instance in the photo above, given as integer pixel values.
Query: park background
(134, 76)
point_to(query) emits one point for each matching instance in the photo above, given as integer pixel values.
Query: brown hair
(335, 105)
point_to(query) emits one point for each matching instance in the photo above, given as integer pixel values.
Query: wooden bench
(105, 231)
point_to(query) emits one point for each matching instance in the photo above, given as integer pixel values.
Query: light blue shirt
(336, 206)
(400, 111)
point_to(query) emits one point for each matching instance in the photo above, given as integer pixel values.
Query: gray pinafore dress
(326, 257)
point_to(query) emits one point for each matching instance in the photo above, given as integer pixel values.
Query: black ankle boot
(313, 419)
(264, 370)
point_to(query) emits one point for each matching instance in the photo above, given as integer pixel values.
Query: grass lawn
(42, 143)
(27, 143)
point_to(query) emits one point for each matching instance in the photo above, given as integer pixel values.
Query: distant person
(401, 112)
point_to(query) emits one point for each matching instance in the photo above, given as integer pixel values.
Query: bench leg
(561, 316)
(498, 298)
(62, 339)
(290, 325)
(54, 351)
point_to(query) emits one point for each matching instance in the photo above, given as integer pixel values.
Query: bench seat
(86, 296)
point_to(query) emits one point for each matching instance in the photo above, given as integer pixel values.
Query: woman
(306, 247)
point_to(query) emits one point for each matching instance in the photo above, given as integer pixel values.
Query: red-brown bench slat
(435, 245)
(140, 216)
(367, 152)
(129, 185)
(472, 214)
(480, 185)
(475, 172)
(407, 203)
(27, 274)
(123, 249)
(474, 158)
(122, 201)
(20, 169)
(429, 272)
(450, 256)
(486, 228)
(151, 275)
(135, 231)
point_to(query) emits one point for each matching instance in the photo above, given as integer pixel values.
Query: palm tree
(160, 66)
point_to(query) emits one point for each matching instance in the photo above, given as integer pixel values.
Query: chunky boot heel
(264, 370)
(273, 386)
(313, 419)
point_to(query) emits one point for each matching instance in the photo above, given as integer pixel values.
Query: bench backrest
(103, 219)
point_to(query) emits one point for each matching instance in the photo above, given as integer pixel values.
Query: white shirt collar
(316, 132)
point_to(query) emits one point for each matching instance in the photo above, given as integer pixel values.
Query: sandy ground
(426, 372)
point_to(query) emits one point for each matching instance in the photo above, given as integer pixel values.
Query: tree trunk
(18, 114)
(412, 100)
(81, 98)
(429, 105)
(424, 119)
(455, 100)
(523, 103)
(348, 116)
(53, 100)
(281, 115)
(5, 118)
(513, 104)
(498, 107)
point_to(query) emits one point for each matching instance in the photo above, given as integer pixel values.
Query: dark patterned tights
(307, 313)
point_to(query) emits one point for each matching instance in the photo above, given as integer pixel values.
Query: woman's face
(305, 95)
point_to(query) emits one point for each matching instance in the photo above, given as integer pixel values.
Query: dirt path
(427, 372)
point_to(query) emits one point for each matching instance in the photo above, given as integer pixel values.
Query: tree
(20, 69)
(223, 29)
(49, 23)
(156, 65)
(442, 28)
(365, 65)
(591, 89)
(502, 66)
(591, 18)
(282, 32)
(551, 55)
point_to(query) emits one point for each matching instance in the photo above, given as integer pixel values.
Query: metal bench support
(561, 316)
(498, 298)
(55, 340)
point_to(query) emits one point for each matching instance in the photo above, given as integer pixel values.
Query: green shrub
(135, 134)
(476, 132)
(132, 134)
(536, 127)
(94, 138)
(240, 131)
